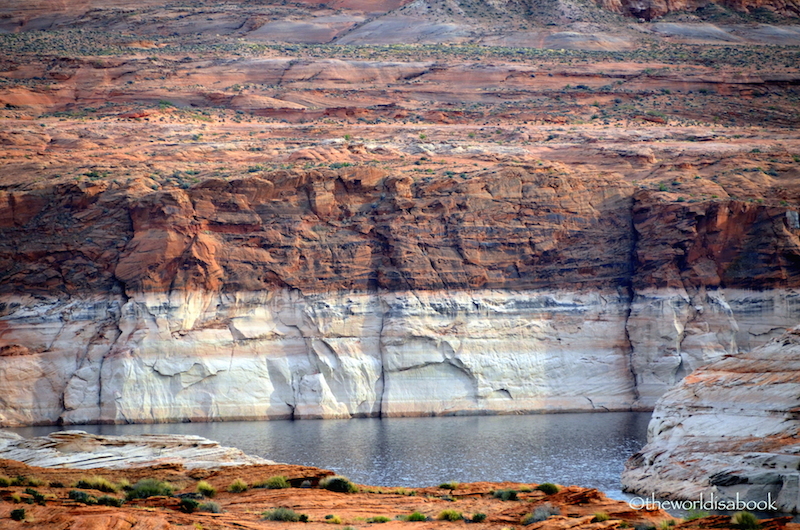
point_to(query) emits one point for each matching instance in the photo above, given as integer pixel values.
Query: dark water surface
(585, 449)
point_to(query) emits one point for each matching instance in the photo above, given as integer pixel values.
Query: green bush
(449, 485)
(96, 483)
(338, 483)
(274, 483)
(210, 506)
(189, 505)
(283, 514)
(449, 515)
(745, 520)
(18, 514)
(108, 500)
(333, 519)
(600, 517)
(547, 488)
(4, 481)
(150, 487)
(505, 495)
(238, 486)
(205, 489)
(378, 519)
(478, 517)
(416, 516)
(82, 496)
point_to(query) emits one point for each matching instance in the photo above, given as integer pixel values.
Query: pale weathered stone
(81, 450)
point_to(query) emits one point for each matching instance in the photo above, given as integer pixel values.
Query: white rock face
(160, 357)
(81, 450)
(729, 429)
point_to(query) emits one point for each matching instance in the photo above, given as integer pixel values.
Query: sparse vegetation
(478, 517)
(284, 514)
(206, 489)
(150, 487)
(745, 520)
(416, 516)
(378, 519)
(97, 483)
(449, 515)
(273, 483)
(210, 507)
(548, 488)
(541, 513)
(238, 486)
(189, 505)
(18, 514)
(449, 485)
(506, 495)
(338, 483)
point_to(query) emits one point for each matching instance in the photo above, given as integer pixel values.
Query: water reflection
(584, 449)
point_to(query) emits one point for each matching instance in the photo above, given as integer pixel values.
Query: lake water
(585, 449)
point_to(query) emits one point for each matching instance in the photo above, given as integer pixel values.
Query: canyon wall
(354, 292)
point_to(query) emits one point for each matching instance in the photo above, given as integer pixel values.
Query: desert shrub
(56, 484)
(36, 497)
(150, 487)
(108, 500)
(666, 524)
(745, 520)
(189, 505)
(238, 486)
(478, 517)
(378, 519)
(333, 519)
(599, 517)
(283, 514)
(338, 483)
(18, 514)
(449, 515)
(82, 496)
(449, 485)
(525, 489)
(547, 488)
(416, 516)
(34, 481)
(541, 513)
(205, 489)
(505, 495)
(4, 481)
(210, 506)
(273, 483)
(96, 483)
(15, 498)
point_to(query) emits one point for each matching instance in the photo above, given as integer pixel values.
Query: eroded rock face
(729, 429)
(355, 292)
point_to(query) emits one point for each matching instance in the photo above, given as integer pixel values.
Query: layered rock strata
(81, 450)
(729, 431)
(353, 292)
